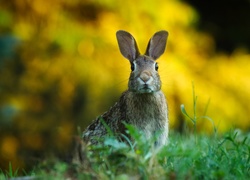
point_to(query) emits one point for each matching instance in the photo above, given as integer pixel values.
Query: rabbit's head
(144, 77)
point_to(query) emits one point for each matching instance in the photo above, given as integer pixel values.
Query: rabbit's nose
(145, 77)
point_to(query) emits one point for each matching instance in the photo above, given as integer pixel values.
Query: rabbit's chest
(150, 129)
(148, 121)
(147, 112)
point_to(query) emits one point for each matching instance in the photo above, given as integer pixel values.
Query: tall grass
(185, 157)
(191, 156)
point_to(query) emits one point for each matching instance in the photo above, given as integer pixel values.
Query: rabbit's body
(143, 104)
(136, 110)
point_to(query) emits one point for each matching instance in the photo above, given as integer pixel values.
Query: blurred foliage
(60, 67)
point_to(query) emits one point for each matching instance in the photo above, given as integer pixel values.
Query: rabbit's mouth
(146, 89)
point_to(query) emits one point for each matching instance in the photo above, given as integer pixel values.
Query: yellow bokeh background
(64, 69)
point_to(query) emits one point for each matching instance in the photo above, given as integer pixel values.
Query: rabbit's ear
(157, 44)
(127, 45)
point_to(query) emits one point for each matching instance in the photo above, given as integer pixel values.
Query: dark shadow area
(226, 20)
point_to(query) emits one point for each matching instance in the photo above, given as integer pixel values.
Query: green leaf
(115, 143)
(183, 110)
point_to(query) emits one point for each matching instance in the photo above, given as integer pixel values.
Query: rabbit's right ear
(127, 45)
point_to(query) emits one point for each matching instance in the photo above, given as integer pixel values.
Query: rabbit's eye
(132, 67)
(156, 66)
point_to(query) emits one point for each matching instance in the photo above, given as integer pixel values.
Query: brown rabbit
(143, 105)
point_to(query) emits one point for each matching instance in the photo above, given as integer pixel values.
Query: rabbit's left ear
(157, 44)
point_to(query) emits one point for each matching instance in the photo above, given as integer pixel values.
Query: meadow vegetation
(187, 156)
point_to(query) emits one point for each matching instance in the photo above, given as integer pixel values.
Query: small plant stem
(195, 117)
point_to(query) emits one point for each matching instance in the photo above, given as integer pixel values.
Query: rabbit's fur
(143, 105)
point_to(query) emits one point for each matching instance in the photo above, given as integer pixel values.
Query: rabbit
(143, 105)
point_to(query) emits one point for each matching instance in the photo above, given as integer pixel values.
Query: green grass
(185, 157)
(10, 173)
